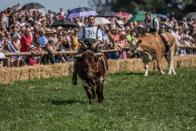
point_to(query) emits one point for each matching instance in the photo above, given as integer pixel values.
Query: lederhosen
(89, 42)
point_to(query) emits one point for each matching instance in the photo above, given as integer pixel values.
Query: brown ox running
(151, 48)
(91, 71)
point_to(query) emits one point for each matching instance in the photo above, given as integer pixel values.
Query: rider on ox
(90, 36)
(152, 26)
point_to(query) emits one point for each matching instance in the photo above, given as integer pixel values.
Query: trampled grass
(132, 102)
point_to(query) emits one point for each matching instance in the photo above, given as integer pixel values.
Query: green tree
(176, 8)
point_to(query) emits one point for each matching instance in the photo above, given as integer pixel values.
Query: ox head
(134, 45)
(88, 63)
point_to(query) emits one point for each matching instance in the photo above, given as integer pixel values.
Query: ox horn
(98, 54)
(78, 56)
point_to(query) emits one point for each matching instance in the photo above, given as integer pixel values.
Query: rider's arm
(96, 44)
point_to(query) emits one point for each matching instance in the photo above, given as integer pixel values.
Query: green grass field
(132, 102)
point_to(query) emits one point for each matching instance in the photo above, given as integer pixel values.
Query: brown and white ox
(91, 71)
(151, 47)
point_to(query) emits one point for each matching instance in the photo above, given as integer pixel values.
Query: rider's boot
(167, 47)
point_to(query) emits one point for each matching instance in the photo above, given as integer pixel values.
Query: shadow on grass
(65, 102)
(129, 73)
(150, 73)
(135, 73)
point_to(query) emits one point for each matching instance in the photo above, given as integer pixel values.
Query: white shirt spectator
(176, 36)
(187, 43)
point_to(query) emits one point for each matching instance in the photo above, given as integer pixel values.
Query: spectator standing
(26, 41)
(74, 39)
(123, 44)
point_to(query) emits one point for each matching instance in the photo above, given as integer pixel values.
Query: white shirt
(150, 24)
(187, 43)
(176, 36)
(90, 32)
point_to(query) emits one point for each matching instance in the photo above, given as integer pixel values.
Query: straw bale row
(8, 75)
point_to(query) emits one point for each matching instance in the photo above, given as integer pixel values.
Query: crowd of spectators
(30, 30)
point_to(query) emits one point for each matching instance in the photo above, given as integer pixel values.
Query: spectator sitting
(26, 41)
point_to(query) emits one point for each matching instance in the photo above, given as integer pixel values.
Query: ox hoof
(169, 73)
(100, 100)
(162, 73)
(145, 74)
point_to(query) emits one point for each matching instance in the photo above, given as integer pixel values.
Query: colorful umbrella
(190, 15)
(101, 21)
(124, 14)
(140, 17)
(32, 6)
(79, 12)
(162, 16)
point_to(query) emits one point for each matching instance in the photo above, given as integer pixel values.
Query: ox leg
(146, 58)
(159, 67)
(89, 94)
(93, 91)
(169, 59)
(99, 92)
(145, 67)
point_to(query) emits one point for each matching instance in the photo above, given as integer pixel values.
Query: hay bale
(8, 75)
(138, 65)
(122, 65)
(14, 74)
(113, 66)
(128, 65)
(70, 68)
(46, 71)
(34, 72)
(4, 75)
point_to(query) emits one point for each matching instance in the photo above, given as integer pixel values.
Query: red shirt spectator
(25, 42)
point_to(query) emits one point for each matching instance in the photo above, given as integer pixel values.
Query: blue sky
(53, 5)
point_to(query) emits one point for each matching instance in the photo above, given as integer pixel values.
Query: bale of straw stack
(8, 75)
(46, 71)
(113, 66)
(34, 72)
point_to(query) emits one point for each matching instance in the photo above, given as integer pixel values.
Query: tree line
(176, 8)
